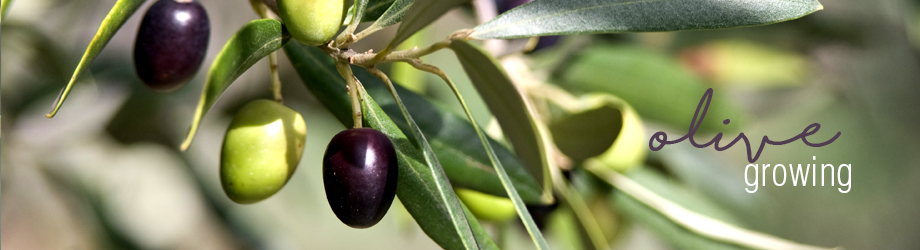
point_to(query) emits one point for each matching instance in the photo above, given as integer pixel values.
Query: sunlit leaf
(250, 44)
(559, 17)
(4, 7)
(680, 216)
(120, 13)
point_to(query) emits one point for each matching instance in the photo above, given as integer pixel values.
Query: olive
(261, 150)
(171, 43)
(487, 207)
(360, 173)
(312, 22)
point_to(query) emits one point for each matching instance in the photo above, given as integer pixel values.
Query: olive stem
(261, 8)
(366, 32)
(276, 77)
(352, 88)
(271, 4)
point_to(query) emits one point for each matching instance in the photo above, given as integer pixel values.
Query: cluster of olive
(265, 141)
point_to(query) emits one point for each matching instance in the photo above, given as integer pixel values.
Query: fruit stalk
(261, 8)
(352, 88)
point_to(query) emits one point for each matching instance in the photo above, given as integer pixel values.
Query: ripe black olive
(359, 174)
(171, 43)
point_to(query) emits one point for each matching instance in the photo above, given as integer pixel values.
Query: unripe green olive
(312, 22)
(487, 207)
(261, 150)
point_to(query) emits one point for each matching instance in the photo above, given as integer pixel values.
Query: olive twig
(366, 32)
(352, 88)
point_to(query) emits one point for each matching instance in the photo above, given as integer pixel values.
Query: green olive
(312, 22)
(261, 150)
(487, 207)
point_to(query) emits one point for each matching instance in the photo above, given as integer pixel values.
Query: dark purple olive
(359, 174)
(171, 43)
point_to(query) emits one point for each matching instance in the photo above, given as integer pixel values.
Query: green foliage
(634, 73)
(445, 150)
(393, 15)
(421, 188)
(561, 17)
(250, 44)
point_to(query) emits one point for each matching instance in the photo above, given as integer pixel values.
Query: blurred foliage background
(106, 172)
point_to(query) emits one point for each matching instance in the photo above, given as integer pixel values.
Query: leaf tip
(188, 139)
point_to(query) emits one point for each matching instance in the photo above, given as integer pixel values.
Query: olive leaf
(375, 9)
(560, 17)
(428, 176)
(4, 7)
(680, 216)
(355, 11)
(393, 15)
(120, 13)
(457, 146)
(421, 14)
(417, 188)
(251, 43)
(451, 136)
(507, 104)
(633, 74)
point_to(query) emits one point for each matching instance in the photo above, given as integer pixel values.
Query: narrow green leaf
(421, 14)
(560, 17)
(120, 13)
(482, 237)
(432, 175)
(418, 189)
(375, 9)
(514, 117)
(360, 8)
(458, 147)
(4, 7)
(250, 44)
(506, 103)
(658, 223)
(680, 216)
(451, 136)
(393, 15)
(635, 74)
